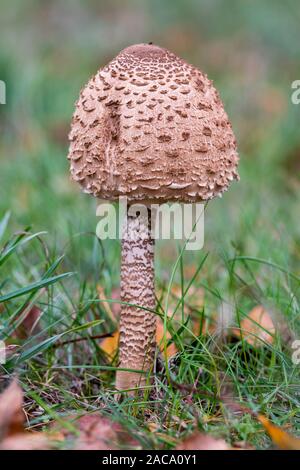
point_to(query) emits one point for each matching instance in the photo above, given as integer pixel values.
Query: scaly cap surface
(152, 127)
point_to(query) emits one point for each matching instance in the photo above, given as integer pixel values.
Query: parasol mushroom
(151, 127)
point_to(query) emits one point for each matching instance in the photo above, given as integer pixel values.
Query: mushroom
(151, 127)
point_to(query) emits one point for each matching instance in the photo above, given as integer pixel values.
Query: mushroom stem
(137, 325)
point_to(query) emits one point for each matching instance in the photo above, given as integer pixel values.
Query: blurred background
(251, 51)
(251, 253)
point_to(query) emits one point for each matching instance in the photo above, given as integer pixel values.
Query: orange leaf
(110, 345)
(282, 439)
(171, 349)
(256, 328)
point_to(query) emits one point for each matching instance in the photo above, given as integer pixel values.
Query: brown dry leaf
(26, 441)
(30, 325)
(200, 441)
(257, 328)
(281, 439)
(11, 413)
(12, 419)
(97, 433)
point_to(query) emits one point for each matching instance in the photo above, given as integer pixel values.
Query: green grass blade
(34, 287)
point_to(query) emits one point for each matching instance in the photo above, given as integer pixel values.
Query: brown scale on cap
(152, 127)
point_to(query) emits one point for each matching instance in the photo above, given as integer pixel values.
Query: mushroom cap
(151, 127)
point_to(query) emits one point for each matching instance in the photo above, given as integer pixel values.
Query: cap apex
(145, 50)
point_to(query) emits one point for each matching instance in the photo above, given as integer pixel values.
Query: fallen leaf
(30, 324)
(110, 345)
(281, 439)
(11, 412)
(256, 328)
(26, 441)
(171, 349)
(97, 433)
(12, 419)
(201, 441)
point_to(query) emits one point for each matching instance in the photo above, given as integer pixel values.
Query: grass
(71, 376)
(50, 257)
